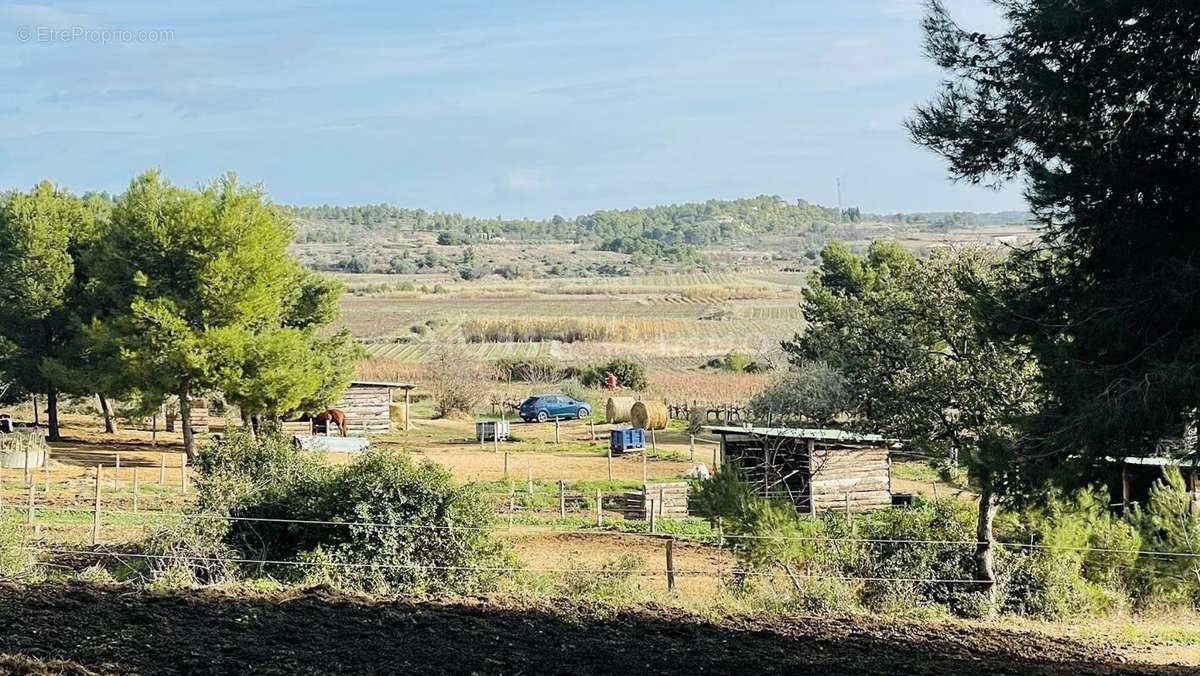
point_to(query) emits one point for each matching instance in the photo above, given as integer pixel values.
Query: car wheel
(582, 413)
(543, 416)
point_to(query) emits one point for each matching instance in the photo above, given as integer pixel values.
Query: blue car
(543, 407)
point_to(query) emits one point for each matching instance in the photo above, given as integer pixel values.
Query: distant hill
(670, 232)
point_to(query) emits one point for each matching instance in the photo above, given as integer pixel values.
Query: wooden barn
(816, 469)
(367, 405)
(1131, 483)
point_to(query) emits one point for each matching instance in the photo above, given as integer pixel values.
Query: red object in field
(610, 381)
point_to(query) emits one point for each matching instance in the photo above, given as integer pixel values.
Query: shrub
(437, 534)
(810, 393)
(454, 381)
(1169, 522)
(615, 581)
(630, 374)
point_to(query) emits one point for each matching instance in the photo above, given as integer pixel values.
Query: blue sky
(487, 108)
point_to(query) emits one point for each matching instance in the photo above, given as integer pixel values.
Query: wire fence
(719, 538)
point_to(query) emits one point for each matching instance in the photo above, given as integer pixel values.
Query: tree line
(164, 291)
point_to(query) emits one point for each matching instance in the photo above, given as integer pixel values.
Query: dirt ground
(80, 629)
(85, 446)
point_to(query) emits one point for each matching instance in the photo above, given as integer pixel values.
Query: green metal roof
(798, 433)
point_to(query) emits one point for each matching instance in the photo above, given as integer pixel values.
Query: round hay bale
(618, 408)
(650, 415)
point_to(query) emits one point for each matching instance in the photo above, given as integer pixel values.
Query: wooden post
(512, 507)
(671, 565)
(557, 438)
(935, 495)
(46, 477)
(529, 477)
(162, 469)
(610, 463)
(1124, 487)
(482, 434)
(117, 471)
(643, 467)
(599, 508)
(154, 429)
(136, 486)
(183, 472)
(692, 447)
(661, 499)
(505, 464)
(653, 442)
(592, 423)
(407, 420)
(846, 498)
(648, 503)
(562, 499)
(29, 507)
(28, 461)
(496, 439)
(96, 511)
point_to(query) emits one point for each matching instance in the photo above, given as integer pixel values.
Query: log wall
(367, 409)
(669, 501)
(858, 478)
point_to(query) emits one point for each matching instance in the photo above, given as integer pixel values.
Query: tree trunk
(36, 422)
(104, 408)
(185, 419)
(248, 424)
(984, 571)
(52, 412)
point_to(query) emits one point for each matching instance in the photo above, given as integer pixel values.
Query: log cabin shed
(816, 469)
(367, 405)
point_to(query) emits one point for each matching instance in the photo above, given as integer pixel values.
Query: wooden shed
(367, 405)
(816, 469)
(1130, 484)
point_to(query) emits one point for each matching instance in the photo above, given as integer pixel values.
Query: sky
(486, 108)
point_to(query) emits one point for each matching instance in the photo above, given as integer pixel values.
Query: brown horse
(332, 416)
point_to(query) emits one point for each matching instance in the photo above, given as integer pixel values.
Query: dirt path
(73, 628)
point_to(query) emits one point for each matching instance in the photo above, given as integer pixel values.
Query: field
(82, 629)
(673, 324)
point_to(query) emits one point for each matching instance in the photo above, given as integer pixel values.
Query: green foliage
(616, 580)
(630, 374)
(46, 235)
(203, 295)
(1170, 522)
(1069, 556)
(15, 560)
(437, 534)
(1090, 104)
(810, 393)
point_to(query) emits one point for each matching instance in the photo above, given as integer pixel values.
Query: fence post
(648, 503)
(136, 486)
(117, 471)
(183, 472)
(28, 459)
(562, 499)
(592, 423)
(599, 508)
(529, 476)
(643, 468)
(556, 436)
(162, 469)
(29, 507)
(512, 507)
(846, 498)
(653, 442)
(610, 463)
(661, 499)
(505, 464)
(46, 477)
(671, 565)
(96, 511)
(692, 447)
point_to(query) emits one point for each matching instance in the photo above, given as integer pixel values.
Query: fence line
(718, 573)
(610, 531)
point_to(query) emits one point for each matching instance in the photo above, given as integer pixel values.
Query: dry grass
(533, 330)
(716, 387)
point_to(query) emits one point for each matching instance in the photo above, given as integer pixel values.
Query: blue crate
(628, 439)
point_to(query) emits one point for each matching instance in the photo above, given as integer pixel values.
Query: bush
(630, 374)
(810, 393)
(454, 381)
(437, 537)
